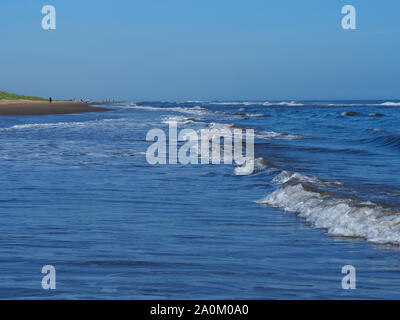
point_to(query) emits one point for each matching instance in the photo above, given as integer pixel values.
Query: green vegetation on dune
(12, 96)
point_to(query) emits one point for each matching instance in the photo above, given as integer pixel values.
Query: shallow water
(78, 193)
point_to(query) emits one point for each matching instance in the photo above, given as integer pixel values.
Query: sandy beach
(28, 107)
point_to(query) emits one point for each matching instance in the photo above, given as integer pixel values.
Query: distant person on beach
(50, 100)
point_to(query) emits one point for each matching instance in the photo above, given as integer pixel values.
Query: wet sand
(27, 107)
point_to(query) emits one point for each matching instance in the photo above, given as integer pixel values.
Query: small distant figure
(50, 100)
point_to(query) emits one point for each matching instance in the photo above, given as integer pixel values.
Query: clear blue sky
(201, 49)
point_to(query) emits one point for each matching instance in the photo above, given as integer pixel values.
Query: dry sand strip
(26, 107)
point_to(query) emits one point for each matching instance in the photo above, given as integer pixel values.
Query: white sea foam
(179, 120)
(150, 108)
(41, 125)
(276, 135)
(251, 166)
(192, 110)
(55, 125)
(298, 104)
(224, 126)
(235, 103)
(251, 103)
(214, 130)
(286, 176)
(265, 135)
(391, 104)
(76, 124)
(219, 129)
(255, 115)
(280, 103)
(338, 215)
(284, 103)
(387, 104)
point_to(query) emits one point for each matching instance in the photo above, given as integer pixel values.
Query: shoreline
(31, 108)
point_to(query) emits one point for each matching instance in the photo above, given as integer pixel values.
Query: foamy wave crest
(222, 126)
(286, 176)
(338, 215)
(283, 103)
(179, 119)
(256, 115)
(192, 110)
(390, 104)
(297, 104)
(259, 103)
(276, 135)
(71, 124)
(136, 106)
(218, 130)
(251, 166)
(235, 103)
(264, 135)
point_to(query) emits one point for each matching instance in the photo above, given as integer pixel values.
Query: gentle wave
(192, 110)
(383, 139)
(388, 141)
(56, 125)
(256, 115)
(384, 104)
(296, 103)
(252, 103)
(268, 135)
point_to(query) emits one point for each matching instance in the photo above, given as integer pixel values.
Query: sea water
(77, 193)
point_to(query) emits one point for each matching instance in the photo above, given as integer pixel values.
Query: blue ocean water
(77, 193)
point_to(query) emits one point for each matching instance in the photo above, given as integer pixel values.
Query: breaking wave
(180, 120)
(286, 176)
(251, 166)
(339, 215)
(391, 104)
